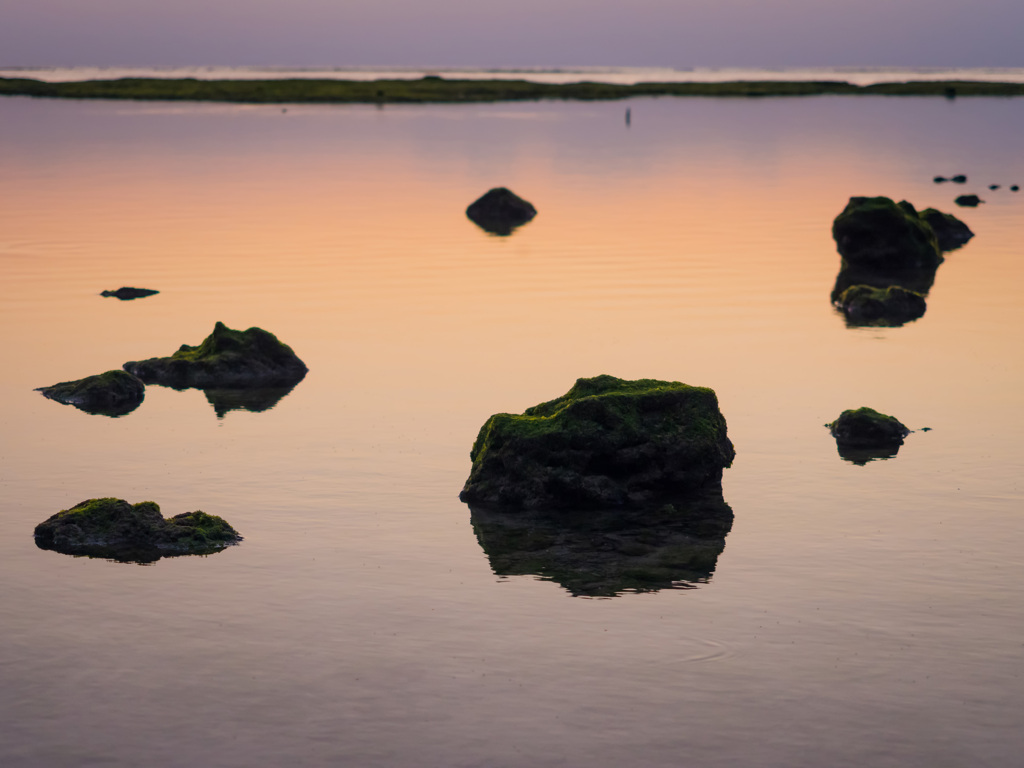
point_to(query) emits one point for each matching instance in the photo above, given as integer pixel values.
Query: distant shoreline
(437, 90)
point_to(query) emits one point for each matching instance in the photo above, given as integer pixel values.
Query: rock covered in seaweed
(877, 233)
(225, 359)
(113, 393)
(500, 210)
(114, 529)
(127, 294)
(606, 443)
(891, 306)
(864, 434)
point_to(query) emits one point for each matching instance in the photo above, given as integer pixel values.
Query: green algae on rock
(114, 529)
(866, 433)
(499, 211)
(113, 393)
(865, 305)
(607, 443)
(225, 359)
(877, 233)
(127, 294)
(604, 553)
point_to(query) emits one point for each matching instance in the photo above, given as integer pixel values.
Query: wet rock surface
(603, 553)
(499, 211)
(865, 305)
(866, 433)
(877, 233)
(113, 393)
(127, 294)
(114, 529)
(227, 358)
(607, 443)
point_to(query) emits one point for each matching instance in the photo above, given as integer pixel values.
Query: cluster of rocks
(971, 201)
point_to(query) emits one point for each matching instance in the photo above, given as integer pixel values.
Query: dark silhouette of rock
(225, 359)
(993, 186)
(113, 393)
(950, 232)
(603, 553)
(500, 211)
(127, 294)
(114, 529)
(877, 233)
(940, 179)
(606, 443)
(865, 305)
(968, 201)
(961, 179)
(253, 400)
(1014, 188)
(865, 434)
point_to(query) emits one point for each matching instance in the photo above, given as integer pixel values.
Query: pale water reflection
(860, 615)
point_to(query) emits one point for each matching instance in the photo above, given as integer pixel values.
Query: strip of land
(432, 89)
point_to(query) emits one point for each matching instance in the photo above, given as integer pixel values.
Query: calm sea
(859, 615)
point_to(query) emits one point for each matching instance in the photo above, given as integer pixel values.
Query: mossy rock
(113, 393)
(950, 232)
(114, 529)
(606, 443)
(866, 428)
(499, 211)
(877, 233)
(127, 294)
(225, 359)
(604, 553)
(865, 305)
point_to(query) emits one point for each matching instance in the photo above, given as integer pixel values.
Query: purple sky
(674, 33)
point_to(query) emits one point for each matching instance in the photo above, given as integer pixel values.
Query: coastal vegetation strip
(432, 89)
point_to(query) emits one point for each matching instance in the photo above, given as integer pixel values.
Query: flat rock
(127, 294)
(500, 210)
(607, 443)
(114, 529)
(877, 233)
(892, 306)
(113, 393)
(866, 428)
(225, 359)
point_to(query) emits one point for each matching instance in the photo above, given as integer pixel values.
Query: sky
(484, 33)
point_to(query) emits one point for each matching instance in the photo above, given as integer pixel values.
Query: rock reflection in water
(128, 556)
(861, 456)
(605, 553)
(917, 280)
(254, 400)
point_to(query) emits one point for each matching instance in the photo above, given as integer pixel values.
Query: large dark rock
(877, 233)
(127, 294)
(865, 305)
(865, 434)
(606, 443)
(225, 359)
(950, 232)
(113, 393)
(500, 210)
(603, 553)
(114, 529)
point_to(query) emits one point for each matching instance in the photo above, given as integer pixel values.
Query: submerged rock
(114, 529)
(891, 306)
(500, 210)
(865, 434)
(877, 233)
(606, 443)
(225, 359)
(969, 201)
(113, 393)
(127, 294)
(603, 553)
(950, 232)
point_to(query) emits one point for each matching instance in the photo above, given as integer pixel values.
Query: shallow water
(858, 615)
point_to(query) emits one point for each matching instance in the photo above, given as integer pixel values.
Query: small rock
(940, 179)
(114, 529)
(225, 359)
(961, 179)
(499, 211)
(867, 428)
(113, 393)
(1015, 188)
(127, 294)
(968, 201)
(993, 186)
